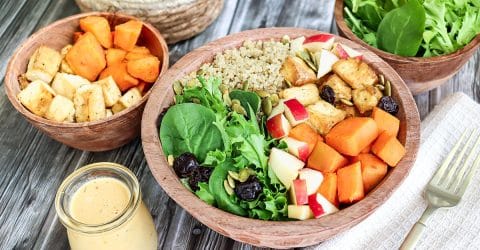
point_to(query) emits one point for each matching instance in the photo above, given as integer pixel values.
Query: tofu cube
(306, 94)
(37, 97)
(108, 113)
(323, 116)
(297, 72)
(342, 89)
(64, 67)
(43, 64)
(111, 92)
(80, 102)
(130, 98)
(117, 107)
(365, 99)
(67, 84)
(355, 72)
(96, 104)
(61, 110)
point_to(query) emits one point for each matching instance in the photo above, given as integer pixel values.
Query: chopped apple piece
(299, 212)
(298, 148)
(313, 178)
(318, 42)
(320, 206)
(278, 126)
(344, 52)
(285, 166)
(298, 192)
(295, 112)
(296, 45)
(327, 60)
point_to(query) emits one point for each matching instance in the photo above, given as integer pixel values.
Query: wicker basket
(176, 21)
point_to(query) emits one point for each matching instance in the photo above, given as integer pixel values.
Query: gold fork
(447, 186)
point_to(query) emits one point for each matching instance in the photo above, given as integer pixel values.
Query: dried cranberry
(185, 164)
(201, 174)
(388, 104)
(327, 94)
(248, 190)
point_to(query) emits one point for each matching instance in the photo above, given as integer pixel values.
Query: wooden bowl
(105, 134)
(421, 74)
(270, 233)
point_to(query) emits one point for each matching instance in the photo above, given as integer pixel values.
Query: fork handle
(417, 230)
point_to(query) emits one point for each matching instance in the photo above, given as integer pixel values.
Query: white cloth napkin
(454, 228)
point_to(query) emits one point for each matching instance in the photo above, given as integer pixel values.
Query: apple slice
(313, 178)
(299, 212)
(278, 126)
(318, 42)
(285, 166)
(279, 109)
(327, 60)
(298, 192)
(320, 206)
(344, 52)
(295, 112)
(297, 44)
(298, 148)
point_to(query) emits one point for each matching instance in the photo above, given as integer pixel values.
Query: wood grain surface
(32, 165)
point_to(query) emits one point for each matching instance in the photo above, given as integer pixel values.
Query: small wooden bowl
(270, 233)
(106, 134)
(421, 74)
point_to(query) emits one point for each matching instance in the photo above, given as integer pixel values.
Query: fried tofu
(108, 113)
(130, 98)
(67, 84)
(350, 111)
(295, 71)
(61, 110)
(306, 94)
(64, 67)
(342, 89)
(37, 97)
(355, 72)
(323, 116)
(111, 92)
(43, 64)
(365, 99)
(89, 103)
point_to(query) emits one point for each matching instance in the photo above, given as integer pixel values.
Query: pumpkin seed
(388, 88)
(245, 85)
(192, 83)
(234, 175)
(236, 101)
(382, 79)
(285, 39)
(274, 99)
(262, 93)
(177, 88)
(243, 175)
(170, 160)
(267, 106)
(223, 88)
(239, 109)
(305, 56)
(289, 84)
(196, 100)
(346, 102)
(231, 181)
(380, 87)
(200, 72)
(226, 99)
(227, 187)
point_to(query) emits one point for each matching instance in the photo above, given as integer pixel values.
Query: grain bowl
(99, 135)
(278, 234)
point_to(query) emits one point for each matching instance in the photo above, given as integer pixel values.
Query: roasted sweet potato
(386, 122)
(120, 75)
(87, 58)
(126, 34)
(146, 69)
(350, 183)
(115, 56)
(303, 132)
(99, 27)
(373, 170)
(328, 188)
(325, 159)
(389, 149)
(352, 135)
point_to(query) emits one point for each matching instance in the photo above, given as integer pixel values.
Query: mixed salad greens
(421, 28)
(227, 140)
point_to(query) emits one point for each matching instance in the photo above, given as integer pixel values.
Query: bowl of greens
(425, 41)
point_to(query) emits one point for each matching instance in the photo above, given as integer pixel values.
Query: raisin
(388, 104)
(201, 174)
(185, 164)
(327, 94)
(248, 190)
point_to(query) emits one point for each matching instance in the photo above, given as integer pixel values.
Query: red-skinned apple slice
(279, 109)
(327, 59)
(297, 44)
(298, 192)
(295, 112)
(317, 42)
(313, 178)
(278, 126)
(298, 148)
(285, 166)
(344, 52)
(299, 212)
(320, 206)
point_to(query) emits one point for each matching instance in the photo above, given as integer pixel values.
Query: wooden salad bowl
(105, 134)
(277, 234)
(421, 74)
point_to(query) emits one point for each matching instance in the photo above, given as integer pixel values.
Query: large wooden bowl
(420, 74)
(105, 134)
(270, 233)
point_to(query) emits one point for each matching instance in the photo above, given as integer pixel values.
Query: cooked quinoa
(256, 63)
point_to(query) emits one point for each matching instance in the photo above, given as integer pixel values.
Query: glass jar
(101, 207)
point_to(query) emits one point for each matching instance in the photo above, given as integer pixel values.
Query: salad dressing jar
(101, 207)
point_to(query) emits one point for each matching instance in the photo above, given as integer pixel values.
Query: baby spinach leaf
(401, 31)
(189, 127)
(215, 184)
(246, 98)
(369, 11)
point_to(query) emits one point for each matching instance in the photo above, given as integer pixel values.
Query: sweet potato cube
(352, 135)
(328, 188)
(126, 34)
(87, 58)
(350, 183)
(120, 75)
(146, 69)
(366, 149)
(389, 149)
(115, 56)
(140, 50)
(99, 27)
(325, 159)
(303, 132)
(373, 170)
(135, 56)
(386, 122)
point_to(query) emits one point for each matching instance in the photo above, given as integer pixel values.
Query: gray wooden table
(32, 165)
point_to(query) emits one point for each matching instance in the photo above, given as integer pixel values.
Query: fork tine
(454, 168)
(441, 170)
(467, 180)
(464, 168)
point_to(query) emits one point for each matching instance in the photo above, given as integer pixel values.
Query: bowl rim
(11, 79)
(246, 229)
(343, 27)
